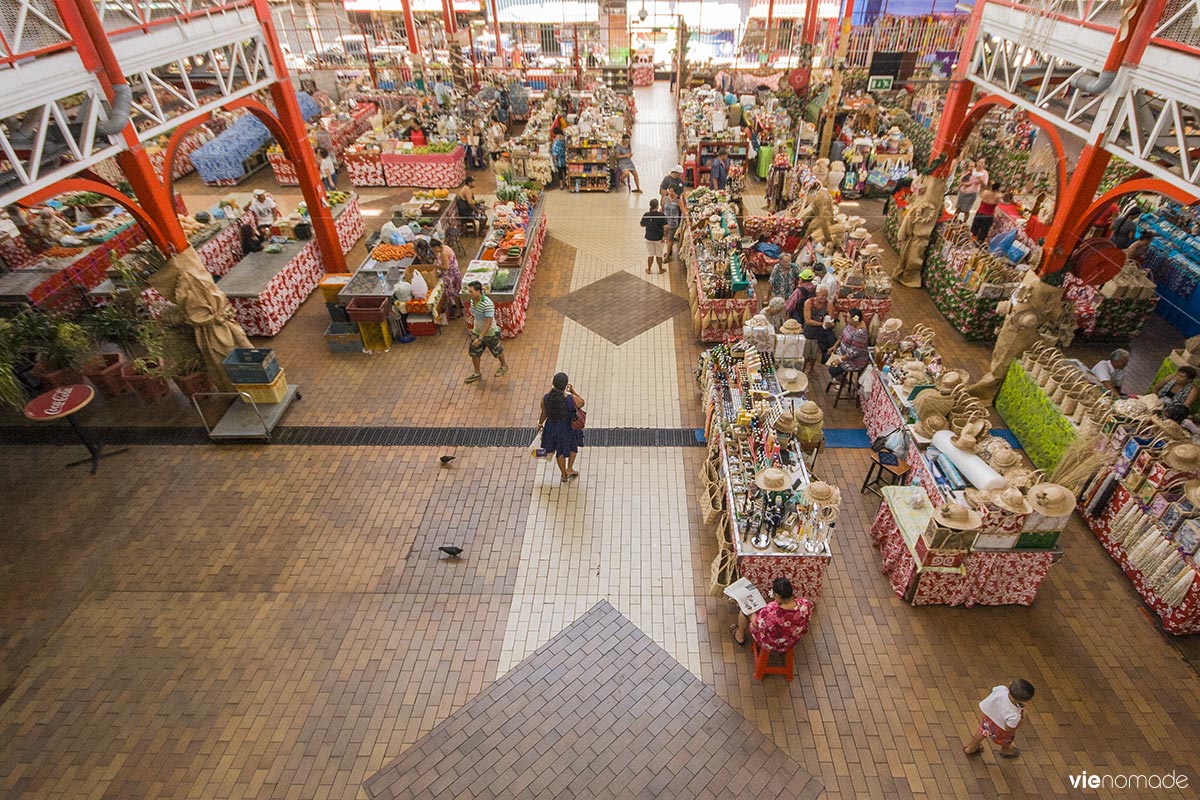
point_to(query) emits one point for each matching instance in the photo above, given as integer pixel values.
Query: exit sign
(879, 83)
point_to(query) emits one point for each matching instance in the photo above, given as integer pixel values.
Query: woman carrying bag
(561, 424)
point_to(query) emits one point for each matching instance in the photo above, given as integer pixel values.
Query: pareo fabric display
(222, 158)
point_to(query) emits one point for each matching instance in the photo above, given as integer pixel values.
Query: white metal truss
(120, 14)
(188, 86)
(30, 26)
(1158, 129)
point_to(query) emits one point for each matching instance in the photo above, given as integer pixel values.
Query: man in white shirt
(264, 209)
(1111, 372)
(328, 170)
(823, 277)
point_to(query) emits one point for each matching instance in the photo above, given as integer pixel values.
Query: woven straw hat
(809, 413)
(1185, 457)
(1191, 491)
(1026, 320)
(791, 326)
(957, 516)
(786, 424)
(1010, 499)
(1004, 458)
(822, 493)
(772, 479)
(952, 378)
(1052, 500)
(931, 424)
(860, 233)
(891, 325)
(791, 380)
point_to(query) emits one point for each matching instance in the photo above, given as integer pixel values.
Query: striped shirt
(482, 310)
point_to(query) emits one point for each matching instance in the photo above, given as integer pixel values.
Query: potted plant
(147, 375)
(61, 347)
(184, 362)
(115, 322)
(12, 360)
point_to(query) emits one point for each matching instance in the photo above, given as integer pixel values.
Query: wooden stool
(847, 387)
(762, 655)
(880, 474)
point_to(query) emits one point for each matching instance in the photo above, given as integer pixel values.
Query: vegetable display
(392, 252)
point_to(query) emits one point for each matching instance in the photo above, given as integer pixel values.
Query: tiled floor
(276, 622)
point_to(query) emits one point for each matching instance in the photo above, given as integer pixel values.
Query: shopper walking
(485, 333)
(559, 422)
(674, 215)
(655, 223)
(972, 181)
(1003, 712)
(328, 169)
(558, 152)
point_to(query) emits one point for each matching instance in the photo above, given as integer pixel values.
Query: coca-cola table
(428, 171)
(985, 577)
(63, 403)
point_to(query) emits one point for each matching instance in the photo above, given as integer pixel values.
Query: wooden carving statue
(922, 215)
(820, 213)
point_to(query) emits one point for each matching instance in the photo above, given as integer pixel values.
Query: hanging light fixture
(642, 14)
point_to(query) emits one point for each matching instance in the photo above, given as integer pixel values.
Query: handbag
(580, 419)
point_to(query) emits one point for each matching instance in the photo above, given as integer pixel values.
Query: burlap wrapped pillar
(1036, 314)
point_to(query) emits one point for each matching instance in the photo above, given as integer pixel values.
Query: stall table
(265, 289)
(715, 319)
(884, 412)
(59, 283)
(512, 305)
(1042, 429)
(428, 171)
(15, 252)
(364, 168)
(985, 576)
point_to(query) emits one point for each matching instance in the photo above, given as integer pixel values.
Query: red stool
(761, 658)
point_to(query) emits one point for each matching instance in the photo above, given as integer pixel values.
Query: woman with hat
(852, 350)
(776, 313)
(781, 624)
(559, 410)
(818, 328)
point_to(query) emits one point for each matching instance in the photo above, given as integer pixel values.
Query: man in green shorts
(485, 335)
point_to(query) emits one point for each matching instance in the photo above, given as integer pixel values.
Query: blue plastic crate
(343, 337)
(337, 312)
(251, 365)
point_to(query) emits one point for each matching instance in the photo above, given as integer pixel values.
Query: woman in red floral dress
(781, 624)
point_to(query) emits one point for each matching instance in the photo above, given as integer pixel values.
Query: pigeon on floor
(450, 550)
(446, 460)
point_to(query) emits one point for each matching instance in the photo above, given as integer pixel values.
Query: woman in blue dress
(559, 407)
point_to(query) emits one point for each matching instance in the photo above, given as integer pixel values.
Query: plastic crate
(343, 337)
(421, 325)
(272, 392)
(376, 336)
(337, 312)
(368, 309)
(331, 285)
(256, 365)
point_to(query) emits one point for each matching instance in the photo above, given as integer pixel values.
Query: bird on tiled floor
(446, 460)
(450, 550)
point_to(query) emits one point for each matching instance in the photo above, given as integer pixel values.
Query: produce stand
(55, 283)
(511, 305)
(728, 388)
(342, 132)
(983, 577)
(364, 168)
(427, 171)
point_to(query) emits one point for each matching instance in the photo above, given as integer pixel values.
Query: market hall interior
(277, 621)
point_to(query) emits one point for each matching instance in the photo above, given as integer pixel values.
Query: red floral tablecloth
(879, 412)
(989, 577)
(643, 74)
(183, 162)
(284, 169)
(15, 252)
(807, 573)
(68, 287)
(364, 168)
(431, 171)
(1182, 619)
(870, 307)
(222, 252)
(349, 224)
(266, 314)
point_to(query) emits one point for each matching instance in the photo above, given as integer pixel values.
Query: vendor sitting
(48, 227)
(253, 240)
(467, 206)
(1110, 373)
(1179, 387)
(781, 624)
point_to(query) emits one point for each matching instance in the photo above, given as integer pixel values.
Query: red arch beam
(99, 187)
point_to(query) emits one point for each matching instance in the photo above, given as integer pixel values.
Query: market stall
(433, 170)
(265, 289)
(193, 141)
(341, 131)
(705, 132)
(966, 281)
(507, 262)
(720, 291)
(774, 521)
(240, 150)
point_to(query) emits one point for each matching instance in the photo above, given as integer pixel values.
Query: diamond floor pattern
(620, 307)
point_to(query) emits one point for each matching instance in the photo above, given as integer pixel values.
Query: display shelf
(588, 167)
(1043, 430)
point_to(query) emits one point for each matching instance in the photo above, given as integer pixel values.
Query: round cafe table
(65, 402)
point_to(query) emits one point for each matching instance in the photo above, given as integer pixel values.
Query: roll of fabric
(972, 467)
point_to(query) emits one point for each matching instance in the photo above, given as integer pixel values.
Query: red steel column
(92, 41)
(496, 26)
(1068, 217)
(287, 110)
(410, 27)
(958, 98)
(810, 23)
(448, 15)
(767, 33)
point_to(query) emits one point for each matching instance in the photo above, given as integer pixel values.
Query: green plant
(12, 393)
(150, 367)
(180, 353)
(115, 322)
(58, 343)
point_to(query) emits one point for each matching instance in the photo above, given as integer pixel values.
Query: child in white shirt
(1003, 711)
